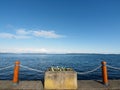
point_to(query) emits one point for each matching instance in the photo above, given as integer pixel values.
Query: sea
(81, 63)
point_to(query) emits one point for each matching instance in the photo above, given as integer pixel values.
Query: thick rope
(6, 67)
(90, 70)
(31, 69)
(113, 67)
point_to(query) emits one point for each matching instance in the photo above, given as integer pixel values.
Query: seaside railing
(103, 67)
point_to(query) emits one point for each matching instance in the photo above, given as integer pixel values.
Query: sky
(60, 26)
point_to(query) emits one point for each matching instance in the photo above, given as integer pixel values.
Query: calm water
(80, 62)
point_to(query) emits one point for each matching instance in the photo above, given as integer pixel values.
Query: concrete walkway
(97, 85)
(23, 85)
(82, 85)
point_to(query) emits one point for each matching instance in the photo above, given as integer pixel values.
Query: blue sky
(60, 26)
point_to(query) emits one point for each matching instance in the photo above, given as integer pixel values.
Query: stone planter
(60, 80)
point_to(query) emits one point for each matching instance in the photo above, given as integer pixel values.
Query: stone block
(60, 80)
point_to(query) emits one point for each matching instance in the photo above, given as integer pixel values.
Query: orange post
(104, 73)
(16, 72)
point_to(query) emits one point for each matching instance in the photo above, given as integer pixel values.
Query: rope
(113, 67)
(90, 70)
(7, 67)
(31, 68)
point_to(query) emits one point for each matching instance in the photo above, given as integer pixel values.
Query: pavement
(38, 85)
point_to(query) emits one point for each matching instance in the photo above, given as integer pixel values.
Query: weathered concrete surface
(97, 85)
(82, 85)
(60, 80)
(23, 85)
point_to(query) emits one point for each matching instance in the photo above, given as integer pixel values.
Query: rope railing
(87, 72)
(29, 68)
(18, 65)
(7, 67)
(116, 68)
(4, 68)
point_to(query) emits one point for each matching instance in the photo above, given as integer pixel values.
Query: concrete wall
(60, 80)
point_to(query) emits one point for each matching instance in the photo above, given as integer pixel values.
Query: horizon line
(51, 53)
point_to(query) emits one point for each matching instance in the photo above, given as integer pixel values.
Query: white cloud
(6, 35)
(11, 36)
(46, 34)
(24, 50)
(23, 34)
(33, 50)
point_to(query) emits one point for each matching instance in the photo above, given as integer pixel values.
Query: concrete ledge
(82, 85)
(97, 85)
(22, 85)
(60, 80)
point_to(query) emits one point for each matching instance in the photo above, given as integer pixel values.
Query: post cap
(103, 62)
(17, 62)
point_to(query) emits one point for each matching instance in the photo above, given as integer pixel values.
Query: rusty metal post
(16, 72)
(104, 73)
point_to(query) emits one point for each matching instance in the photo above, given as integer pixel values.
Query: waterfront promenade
(103, 84)
(38, 85)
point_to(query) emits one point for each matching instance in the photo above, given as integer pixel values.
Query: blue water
(79, 62)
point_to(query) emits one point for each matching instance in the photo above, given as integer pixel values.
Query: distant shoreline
(61, 53)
